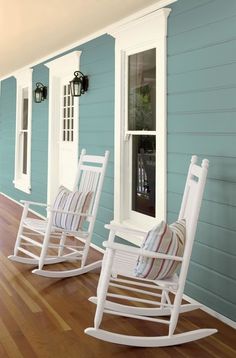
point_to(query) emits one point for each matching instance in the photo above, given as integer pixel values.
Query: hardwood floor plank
(8, 342)
(12, 280)
(56, 317)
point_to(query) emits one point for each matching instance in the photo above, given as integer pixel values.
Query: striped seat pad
(165, 239)
(75, 201)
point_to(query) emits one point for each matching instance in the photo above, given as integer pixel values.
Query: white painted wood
(61, 167)
(68, 273)
(42, 233)
(142, 252)
(68, 136)
(137, 341)
(211, 312)
(22, 181)
(163, 311)
(120, 261)
(135, 36)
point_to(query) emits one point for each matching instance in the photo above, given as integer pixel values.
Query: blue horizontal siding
(215, 123)
(216, 190)
(201, 120)
(96, 124)
(212, 56)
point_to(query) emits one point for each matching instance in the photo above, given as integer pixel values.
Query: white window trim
(139, 35)
(23, 181)
(58, 68)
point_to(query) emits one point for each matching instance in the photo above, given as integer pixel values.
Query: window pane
(25, 108)
(24, 169)
(144, 174)
(142, 91)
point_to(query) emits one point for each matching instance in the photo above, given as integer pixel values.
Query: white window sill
(22, 185)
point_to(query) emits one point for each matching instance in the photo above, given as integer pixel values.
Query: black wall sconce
(79, 85)
(40, 93)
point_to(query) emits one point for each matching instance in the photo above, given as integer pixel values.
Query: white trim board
(211, 312)
(19, 203)
(59, 68)
(204, 308)
(154, 7)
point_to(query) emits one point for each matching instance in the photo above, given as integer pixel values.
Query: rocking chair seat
(36, 224)
(41, 226)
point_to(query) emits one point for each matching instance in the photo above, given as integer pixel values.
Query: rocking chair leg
(176, 310)
(21, 227)
(45, 243)
(104, 278)
(85, 251)
(62, 242)
(104, 262)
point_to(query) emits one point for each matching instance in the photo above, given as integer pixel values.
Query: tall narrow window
(140, 121)
(142, 117)
(23, 131)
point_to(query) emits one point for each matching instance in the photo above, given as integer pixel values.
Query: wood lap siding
(201, 120)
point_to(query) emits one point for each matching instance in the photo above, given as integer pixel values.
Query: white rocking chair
(43, 242)
(164, 296)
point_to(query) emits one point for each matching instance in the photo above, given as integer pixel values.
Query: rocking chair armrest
(69, 212)
(33, 203)
(139, 251)
(125, 229)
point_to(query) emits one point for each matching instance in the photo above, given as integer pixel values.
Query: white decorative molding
(59, 68)
(65, 64)
(147, 10)
(139, 35)
(23, 80)
(212, 313)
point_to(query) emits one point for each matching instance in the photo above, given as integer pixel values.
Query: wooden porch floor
(41, 317)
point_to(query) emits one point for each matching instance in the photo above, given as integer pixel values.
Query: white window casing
(142, 34)
(61, 71)
(22, 175)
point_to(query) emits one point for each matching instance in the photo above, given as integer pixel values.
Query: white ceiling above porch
(31, 30)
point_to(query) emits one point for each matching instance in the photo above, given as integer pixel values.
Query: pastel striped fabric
(163, 239)
(76, 201)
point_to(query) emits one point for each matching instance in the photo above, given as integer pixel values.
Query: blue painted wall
(201, 120)
(96, 127)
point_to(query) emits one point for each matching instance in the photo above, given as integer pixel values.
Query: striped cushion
(71, 201)
(163, 239)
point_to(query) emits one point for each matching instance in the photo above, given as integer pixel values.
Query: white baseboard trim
(204, 308)
(212, 313)
(19, 203)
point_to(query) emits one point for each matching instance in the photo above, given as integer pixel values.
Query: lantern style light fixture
(79, 84)
(40, 93)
